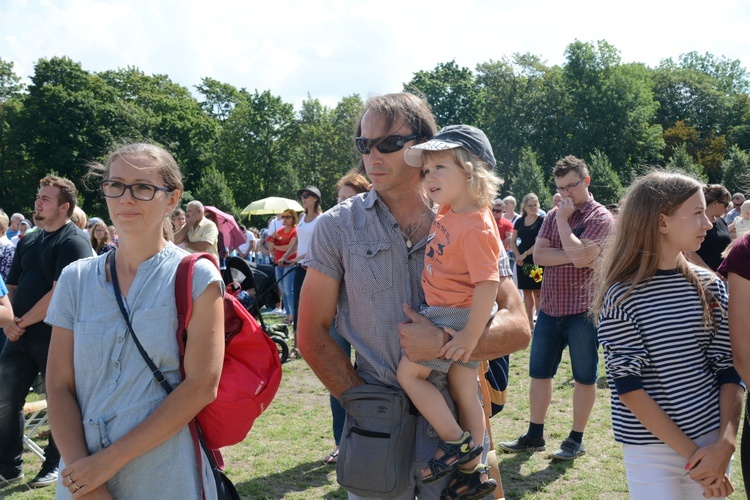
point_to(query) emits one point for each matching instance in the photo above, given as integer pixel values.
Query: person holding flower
(522, 243)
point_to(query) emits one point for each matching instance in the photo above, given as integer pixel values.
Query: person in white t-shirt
(310, 200)
(247, 249)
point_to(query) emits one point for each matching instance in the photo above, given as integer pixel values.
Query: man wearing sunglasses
(39, 259)
(365, 261)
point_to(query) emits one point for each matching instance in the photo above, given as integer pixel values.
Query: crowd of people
(421, 271)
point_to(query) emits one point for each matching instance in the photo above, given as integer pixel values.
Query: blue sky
(334, 48)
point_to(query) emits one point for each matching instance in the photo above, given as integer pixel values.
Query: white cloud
(333, 48)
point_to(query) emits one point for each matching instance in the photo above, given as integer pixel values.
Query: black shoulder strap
(158, 375)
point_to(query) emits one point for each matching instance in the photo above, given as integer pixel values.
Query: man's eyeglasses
(497, 210)
(390, 144)
(568, 187)
(143, 192)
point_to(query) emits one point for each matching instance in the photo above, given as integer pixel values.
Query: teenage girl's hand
(721, 489)
(459, 348)
(709, 464)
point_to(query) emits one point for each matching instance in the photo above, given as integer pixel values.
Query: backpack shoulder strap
(184, 294)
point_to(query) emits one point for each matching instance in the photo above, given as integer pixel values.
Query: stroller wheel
(283, 349)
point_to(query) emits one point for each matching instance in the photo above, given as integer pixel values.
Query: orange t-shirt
(462, 250)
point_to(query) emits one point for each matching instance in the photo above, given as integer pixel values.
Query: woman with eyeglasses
(717, 238)
(310, 200)
(120, 435)
(284, 244)
(101, 241)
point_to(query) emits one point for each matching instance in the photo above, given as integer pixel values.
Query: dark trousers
(20, 362)
(299, 278)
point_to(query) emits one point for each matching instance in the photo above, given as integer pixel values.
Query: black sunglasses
(390, 144)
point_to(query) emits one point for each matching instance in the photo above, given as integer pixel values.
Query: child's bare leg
(427, 398)
(463, 386)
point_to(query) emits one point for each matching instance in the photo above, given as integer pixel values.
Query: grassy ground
(282, 456)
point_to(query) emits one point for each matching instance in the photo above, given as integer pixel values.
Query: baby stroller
(255, 290)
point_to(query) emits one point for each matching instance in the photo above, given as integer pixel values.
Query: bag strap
(183, 292)
(158, 375)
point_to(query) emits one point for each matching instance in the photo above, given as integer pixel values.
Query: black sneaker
(523, 443)
(15, 477)
(46, 477)
(569, 450)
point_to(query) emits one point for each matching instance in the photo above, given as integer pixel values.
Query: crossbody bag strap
(158, 375)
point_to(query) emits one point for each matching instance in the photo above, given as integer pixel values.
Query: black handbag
(224, 488)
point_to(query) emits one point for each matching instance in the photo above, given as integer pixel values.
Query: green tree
(736, 170)
(213, 190)
(254, 149)
(682, 160)
(612, 106)
(166, 113)
(69, 117)
(323, 141)
(530, 179)
(451, 92)
(605, 183)
(220, 99)
(10, 83)
(15, 183)
(509, 93)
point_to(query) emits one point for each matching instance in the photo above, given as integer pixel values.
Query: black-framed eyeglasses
(568, 187)
(140, 191)
(386, 145)
(286, 216)
(497, 210)
(725, 203)
(306, 195)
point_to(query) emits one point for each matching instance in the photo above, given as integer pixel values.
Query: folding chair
(35, 417)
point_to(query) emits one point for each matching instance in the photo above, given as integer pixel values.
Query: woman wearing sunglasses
(119, 434)
(285, 243)
(310, 200)
(717, 238)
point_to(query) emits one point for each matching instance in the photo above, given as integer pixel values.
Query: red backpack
(252, 369)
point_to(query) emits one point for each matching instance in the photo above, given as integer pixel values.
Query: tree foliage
(605, 184)
(236, 146)
(531, 179)
(451, 92)
(736, 170)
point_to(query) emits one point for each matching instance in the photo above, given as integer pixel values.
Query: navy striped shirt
(655, 340)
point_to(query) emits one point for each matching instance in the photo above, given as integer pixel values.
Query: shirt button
(369, 252)
(119, 339)
(117, 364)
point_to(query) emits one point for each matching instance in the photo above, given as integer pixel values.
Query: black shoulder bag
(224, 488)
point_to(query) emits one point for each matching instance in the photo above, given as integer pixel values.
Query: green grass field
(282, 456)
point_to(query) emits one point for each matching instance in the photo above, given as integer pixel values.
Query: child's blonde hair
(483, 182)
(745, 209)
(633, 260)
